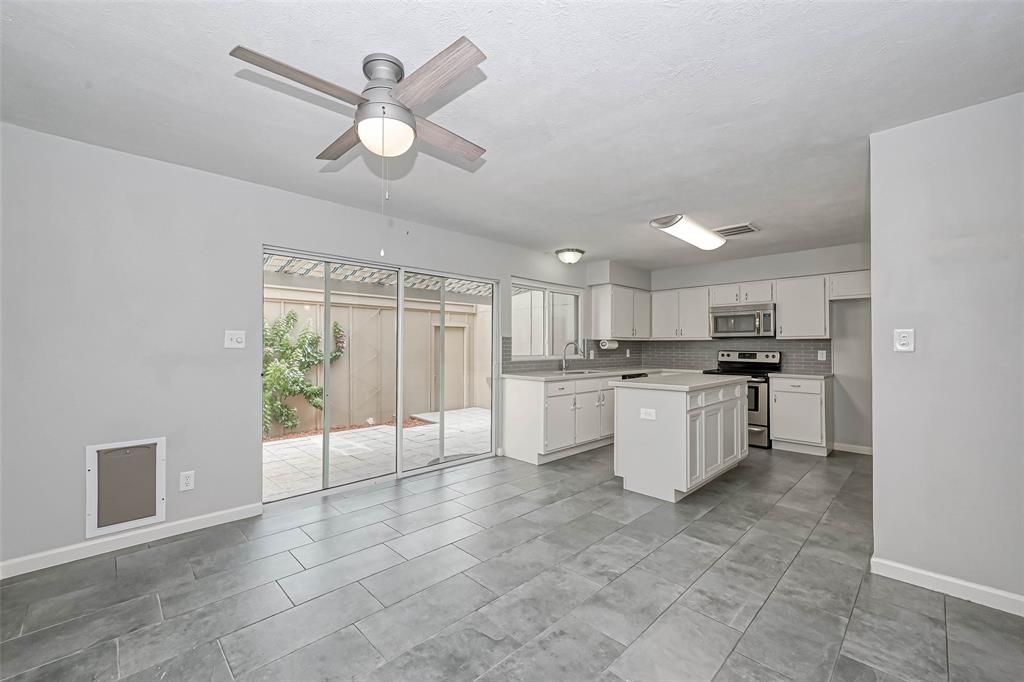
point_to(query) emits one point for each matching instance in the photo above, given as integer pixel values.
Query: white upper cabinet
(802, 308)
(620, 312)
(665, 314)
(680, 314)
(757, 292)
(693, 314)
(642, 314)
(849, 285)
(725, 294)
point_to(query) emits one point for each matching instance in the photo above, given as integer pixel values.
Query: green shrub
(286, 361)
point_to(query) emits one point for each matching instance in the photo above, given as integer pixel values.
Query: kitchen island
(676, 432)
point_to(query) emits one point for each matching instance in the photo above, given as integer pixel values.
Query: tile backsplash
(797, 356)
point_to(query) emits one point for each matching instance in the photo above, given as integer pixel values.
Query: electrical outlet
(822, 355)
(627, 352)
(591, 353)
(187, 480)
(903, 340)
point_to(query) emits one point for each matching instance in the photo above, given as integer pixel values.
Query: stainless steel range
(757, 365)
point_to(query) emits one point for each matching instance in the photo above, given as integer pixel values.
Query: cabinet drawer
(694, 400)
(587, 385)
(797, 385)
(559, 388)
(713, 395)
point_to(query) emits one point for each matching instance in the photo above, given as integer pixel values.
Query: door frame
(400, 270)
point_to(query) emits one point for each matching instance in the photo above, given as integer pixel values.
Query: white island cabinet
(674, 433)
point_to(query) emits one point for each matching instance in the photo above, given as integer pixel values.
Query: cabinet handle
(746, 296)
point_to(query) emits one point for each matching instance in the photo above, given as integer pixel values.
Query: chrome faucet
(571, 343)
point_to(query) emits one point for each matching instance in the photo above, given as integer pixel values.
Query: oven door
(736, 323)
(757, 414)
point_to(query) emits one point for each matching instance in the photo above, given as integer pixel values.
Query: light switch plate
(647, 413)
(903, 340)
(234, 338)
(822, 355)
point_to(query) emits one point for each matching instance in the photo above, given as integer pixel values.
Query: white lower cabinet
(694, 448)
(607, 412)
(559, 421)
(715, 434)
(712, 439)
(588, 416)
(801, 413)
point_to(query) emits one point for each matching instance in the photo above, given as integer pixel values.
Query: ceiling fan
(385, 122)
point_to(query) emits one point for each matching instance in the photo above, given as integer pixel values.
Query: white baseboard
(955, 587)
(110, 543)
(856, 449)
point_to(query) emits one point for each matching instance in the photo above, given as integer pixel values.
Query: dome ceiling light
(691, 232)
(569, 256)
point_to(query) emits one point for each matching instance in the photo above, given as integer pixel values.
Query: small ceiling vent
(736, 230)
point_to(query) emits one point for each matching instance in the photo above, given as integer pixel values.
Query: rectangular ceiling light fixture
(691, 232)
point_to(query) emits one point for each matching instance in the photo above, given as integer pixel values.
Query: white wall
(610, 272)
(844, 258)
(119, 276)
(947, 257)
(851, 364)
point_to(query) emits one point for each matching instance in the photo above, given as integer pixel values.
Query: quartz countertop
(792, 375)
(574, 375)
(689, 381)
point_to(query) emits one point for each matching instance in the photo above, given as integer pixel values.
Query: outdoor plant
(286, 360)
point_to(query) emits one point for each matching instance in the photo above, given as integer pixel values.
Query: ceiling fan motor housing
(384, 72)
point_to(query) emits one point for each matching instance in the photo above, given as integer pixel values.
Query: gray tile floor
(498, 570)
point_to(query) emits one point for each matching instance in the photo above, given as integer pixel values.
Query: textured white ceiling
(596, 115)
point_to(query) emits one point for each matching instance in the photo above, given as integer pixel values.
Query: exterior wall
(947, 256)
(363, 378)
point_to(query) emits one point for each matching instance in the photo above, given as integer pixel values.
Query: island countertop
(682, 382)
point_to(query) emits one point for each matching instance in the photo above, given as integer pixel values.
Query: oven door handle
(755, 429)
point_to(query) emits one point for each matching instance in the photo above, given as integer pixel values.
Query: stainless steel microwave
(743, 320)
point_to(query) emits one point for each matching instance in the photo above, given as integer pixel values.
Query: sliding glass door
(394, 366)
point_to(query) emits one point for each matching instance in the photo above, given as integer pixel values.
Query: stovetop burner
(758, 364)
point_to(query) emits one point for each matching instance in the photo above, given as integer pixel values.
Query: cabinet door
(797, 417)
(559, 422)
(665, 314)
(802, 308)
(607, 412)
(642, 314)
(731, 438)
(693, 314)
(588, 416)
(622, 313)
(850, 285)
(694, 448)
(725, 294)
(712, 439)
(757, 292)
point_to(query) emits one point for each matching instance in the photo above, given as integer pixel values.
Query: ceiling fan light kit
(569, 256)
(384, 120)
(691, 232)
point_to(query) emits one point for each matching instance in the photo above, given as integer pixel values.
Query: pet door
(125, 485)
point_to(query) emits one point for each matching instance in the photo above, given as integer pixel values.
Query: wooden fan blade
(438, 72)
(347, 140)
(442, 138)
(297, 75)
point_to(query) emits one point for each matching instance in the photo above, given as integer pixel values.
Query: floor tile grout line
(224, 656)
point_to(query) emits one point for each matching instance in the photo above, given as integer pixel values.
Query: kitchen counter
(571, 375)
(690, 381)
(798, 375)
